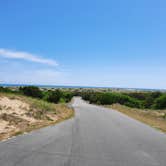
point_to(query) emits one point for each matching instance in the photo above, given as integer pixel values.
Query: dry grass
(154, 118)
(19, 114)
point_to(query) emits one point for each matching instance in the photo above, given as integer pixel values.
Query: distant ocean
(47, 86)
(65, 86)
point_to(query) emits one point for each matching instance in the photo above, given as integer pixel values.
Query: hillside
(20, 114)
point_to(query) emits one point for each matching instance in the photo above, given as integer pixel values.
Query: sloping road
(95, 137)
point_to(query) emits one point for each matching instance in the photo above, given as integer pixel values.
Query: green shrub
(146, 98)
(67, 96)
(160, 102)
(4, 89)
(111, 98)
(62, 100)
(31, 91)
(54, 96)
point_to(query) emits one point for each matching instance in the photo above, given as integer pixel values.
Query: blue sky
(84, 42)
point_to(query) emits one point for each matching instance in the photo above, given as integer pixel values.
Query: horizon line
(75, 86)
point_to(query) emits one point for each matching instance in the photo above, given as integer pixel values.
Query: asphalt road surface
(95, 137)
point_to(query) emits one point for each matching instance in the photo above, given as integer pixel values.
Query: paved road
(95, 137)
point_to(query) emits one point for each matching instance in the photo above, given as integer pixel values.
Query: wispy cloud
(26, 56)
(38, 76)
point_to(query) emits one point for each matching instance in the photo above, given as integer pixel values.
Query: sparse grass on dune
(154, 118)
(26, 114)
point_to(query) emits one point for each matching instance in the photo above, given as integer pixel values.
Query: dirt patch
(154, 118)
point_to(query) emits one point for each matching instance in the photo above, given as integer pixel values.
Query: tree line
(143, 100)
(54, 96)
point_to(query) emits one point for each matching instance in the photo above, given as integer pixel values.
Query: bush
(160, 102)
(31, 91)
(54, 96)
(67, 96)
(147, 98)
(3, 89)
(111, 98)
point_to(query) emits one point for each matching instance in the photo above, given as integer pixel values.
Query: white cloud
(26, 56)
(41, 76)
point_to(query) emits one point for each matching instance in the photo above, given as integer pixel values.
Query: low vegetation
(47, 106)
(142, 100)
(54, 96)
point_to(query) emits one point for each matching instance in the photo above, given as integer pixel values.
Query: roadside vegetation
(54, 96)
(29, 108)
(142, 100)
(147, 107)
(48, 106)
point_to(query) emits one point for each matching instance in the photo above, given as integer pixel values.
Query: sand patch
(15, 107)
(19, 114)
(13, 116)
